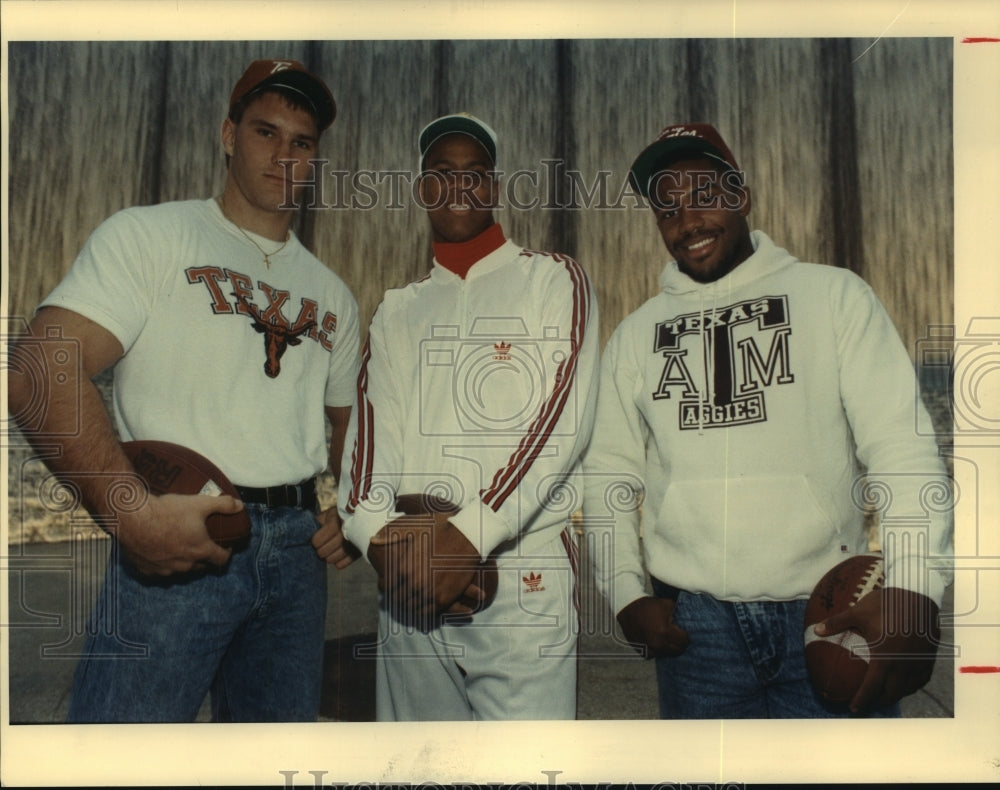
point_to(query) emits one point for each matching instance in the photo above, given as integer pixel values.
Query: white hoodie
(736, 412)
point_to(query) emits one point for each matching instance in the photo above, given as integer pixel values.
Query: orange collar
(461, 256)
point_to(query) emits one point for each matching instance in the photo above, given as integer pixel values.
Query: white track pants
(514, 660)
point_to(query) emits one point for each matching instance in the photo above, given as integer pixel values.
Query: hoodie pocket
(743, 529)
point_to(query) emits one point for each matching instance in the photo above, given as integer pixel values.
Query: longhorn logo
(277, 336)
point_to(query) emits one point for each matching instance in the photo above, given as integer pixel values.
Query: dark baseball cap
(459, 123)
(674, 141)
(293, 76)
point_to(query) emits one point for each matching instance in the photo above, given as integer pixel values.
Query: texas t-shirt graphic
(742, 348)
(232, 292)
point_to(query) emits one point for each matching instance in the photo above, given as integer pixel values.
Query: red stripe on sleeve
(361, 459)
(507, 478)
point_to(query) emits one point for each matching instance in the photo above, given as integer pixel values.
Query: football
(837, 663)
(486, 577)
(170, 468)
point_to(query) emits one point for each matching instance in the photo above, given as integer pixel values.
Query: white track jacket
(732, 417)
(481, 391)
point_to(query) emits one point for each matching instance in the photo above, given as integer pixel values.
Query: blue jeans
(251, 634)
(746, 660)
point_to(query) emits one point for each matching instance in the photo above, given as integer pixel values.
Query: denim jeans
(746, 660)
(251, 634)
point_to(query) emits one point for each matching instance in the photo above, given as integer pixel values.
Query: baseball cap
(685, 138)
(292, 75)
(459, 123)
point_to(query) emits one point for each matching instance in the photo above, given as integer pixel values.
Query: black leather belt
(301, 495)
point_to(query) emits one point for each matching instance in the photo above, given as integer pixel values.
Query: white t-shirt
(199, 316)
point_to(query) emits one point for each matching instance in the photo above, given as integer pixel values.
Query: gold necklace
(248, 237)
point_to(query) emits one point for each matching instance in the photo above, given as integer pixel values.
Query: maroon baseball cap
(292, 75)
(674, 141)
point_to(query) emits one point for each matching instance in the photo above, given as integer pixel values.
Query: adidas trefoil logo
(501, 351)
(533, 582)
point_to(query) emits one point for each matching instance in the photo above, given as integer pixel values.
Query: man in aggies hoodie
(737, 404)
(478, 386)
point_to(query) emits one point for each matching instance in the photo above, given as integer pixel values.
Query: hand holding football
(169, 468)
(420, 558)
(837, 663)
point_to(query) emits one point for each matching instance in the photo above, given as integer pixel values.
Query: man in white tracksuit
(477, 386)
(737, 404)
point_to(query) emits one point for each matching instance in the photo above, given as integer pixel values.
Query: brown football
(837, 664)
(486, 577)
(169, 468)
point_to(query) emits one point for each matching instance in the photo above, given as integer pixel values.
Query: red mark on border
(980, 40)
(979, 670)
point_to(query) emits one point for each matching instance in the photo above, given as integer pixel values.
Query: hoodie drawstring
(708, 363)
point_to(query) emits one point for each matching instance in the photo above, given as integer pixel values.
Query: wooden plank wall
(847, 147)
